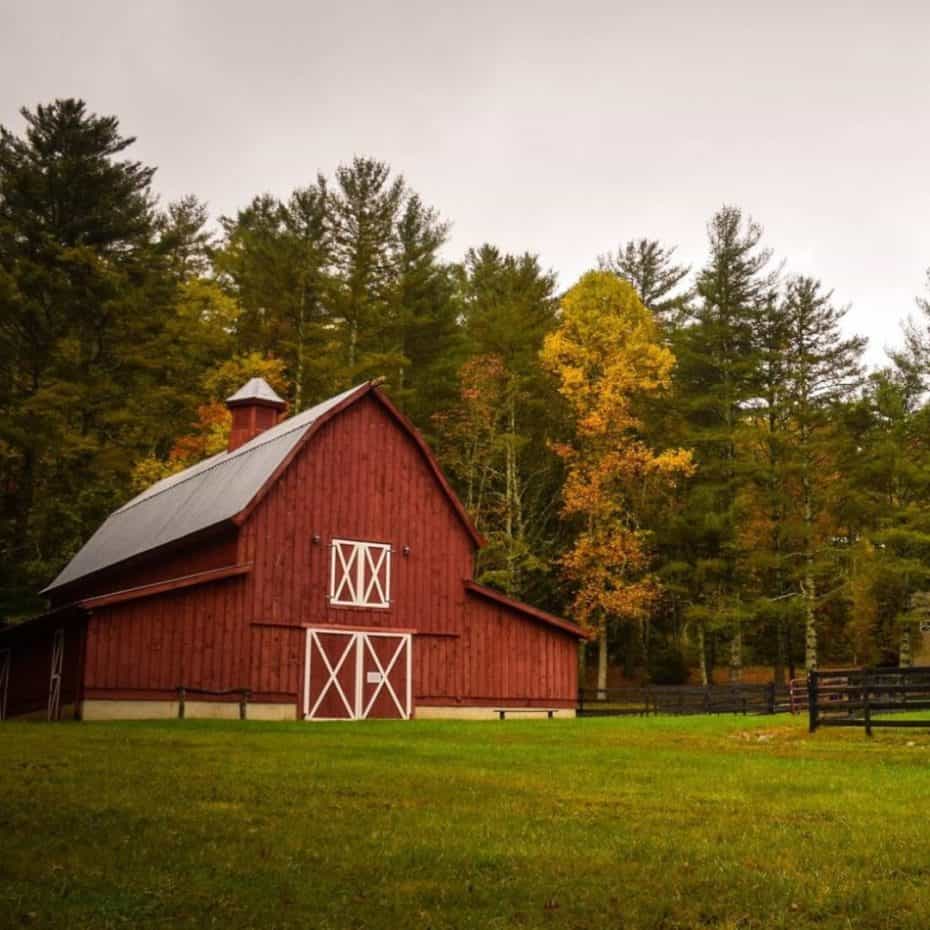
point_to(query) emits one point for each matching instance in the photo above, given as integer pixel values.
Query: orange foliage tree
(608, 358)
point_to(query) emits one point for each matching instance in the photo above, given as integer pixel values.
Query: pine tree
(276, 260)
(507, 306)
(884, 506)
(650, 267)
(765, 533)
(718, 377)
(367, 203)
(424, 333)
(823, 370)
(85, 292)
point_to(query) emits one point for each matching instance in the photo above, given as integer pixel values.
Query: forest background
(694, 462)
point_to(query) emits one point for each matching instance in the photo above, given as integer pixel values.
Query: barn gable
(224, 488)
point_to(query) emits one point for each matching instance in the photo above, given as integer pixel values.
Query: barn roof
(201, 496)
(222, 488)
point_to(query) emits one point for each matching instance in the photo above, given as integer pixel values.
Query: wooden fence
(683, 699)
(868, 698)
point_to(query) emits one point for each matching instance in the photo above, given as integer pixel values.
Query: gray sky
(560, 128)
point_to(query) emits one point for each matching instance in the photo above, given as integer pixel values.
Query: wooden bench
(503, 711)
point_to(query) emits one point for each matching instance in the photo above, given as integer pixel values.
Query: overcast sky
(561, 128)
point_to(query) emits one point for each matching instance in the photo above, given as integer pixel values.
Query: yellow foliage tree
(608, 358)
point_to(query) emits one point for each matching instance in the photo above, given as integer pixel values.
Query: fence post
(181, 703)
(243, 704)
(812, 700)
(867, 702)
(771, 697)
(581, 702)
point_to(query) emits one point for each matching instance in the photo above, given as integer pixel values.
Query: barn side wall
(146, 649)
(514, 661)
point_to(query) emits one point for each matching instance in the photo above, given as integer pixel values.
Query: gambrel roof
(224, 487)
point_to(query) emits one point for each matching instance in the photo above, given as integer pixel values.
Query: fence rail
(683, 699)
(865, 698)
(242, 693)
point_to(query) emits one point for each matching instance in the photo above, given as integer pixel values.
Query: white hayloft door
(360, 574)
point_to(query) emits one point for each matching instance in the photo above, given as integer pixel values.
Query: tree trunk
(736, 655)
(905, 658)
(299, 373)
(353, 342)
(702, 654)
(602, 662)
(780, 652)
(809, 587)
(513, 520)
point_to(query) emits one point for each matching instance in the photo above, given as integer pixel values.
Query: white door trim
(361, 641)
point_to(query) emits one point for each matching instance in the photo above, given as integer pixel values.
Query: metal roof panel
(201, 496)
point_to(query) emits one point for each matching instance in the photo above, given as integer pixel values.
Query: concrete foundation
(193, 710)
(488, 713)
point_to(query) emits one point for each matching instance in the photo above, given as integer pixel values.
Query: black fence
(683, 699)
(868, 698)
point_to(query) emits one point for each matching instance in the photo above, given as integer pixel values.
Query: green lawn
(629, 823)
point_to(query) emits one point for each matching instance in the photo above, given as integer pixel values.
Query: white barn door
(354, 675)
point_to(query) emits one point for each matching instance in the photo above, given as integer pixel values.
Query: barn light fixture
(406, 550)
(316, 539)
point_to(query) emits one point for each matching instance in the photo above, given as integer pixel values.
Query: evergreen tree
(718, 378)
(276, 260)
(507, 306)
(366, 206)
(823, 370)
(650, 267)
(85, 289)
(425, 334)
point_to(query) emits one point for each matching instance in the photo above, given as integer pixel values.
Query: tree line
(693, 462)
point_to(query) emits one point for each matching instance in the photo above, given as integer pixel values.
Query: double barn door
(353, 675)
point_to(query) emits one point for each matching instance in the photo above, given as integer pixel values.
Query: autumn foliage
(607, 357)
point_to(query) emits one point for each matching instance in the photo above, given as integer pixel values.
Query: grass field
(658, 823)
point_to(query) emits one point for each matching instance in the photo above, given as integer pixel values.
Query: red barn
(321, 566)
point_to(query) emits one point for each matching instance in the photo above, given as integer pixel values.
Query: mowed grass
(658, 823)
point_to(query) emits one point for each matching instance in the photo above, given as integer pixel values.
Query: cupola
(255, 407)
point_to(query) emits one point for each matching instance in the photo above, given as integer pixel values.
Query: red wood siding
(359, 477)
